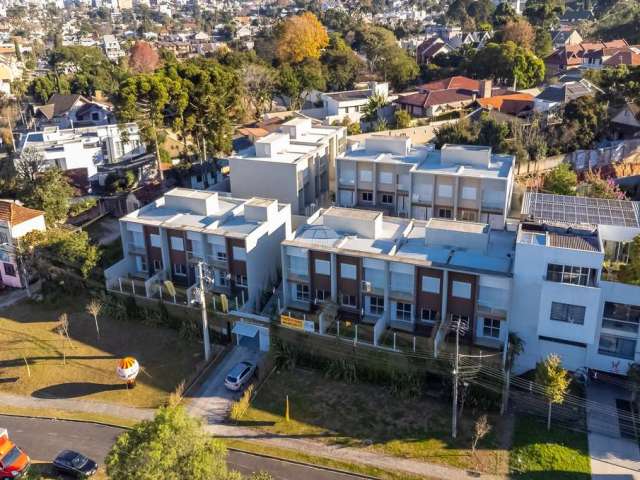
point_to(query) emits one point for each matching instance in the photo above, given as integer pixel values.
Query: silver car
(239, 375)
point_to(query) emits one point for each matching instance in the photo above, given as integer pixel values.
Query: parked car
(75, 464)
(239, 375)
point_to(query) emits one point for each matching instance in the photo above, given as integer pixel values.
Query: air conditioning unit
(366, 286)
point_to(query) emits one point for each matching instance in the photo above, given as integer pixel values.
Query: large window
(302, 292)
(564, 312)
(461, 289)
(299, 265)
(323, 267)
(322, 295)
(348, 271)
(177, 243)
(428, 315)
(179, 269)
(376, 306)
(618, 316)
(241, 280)
(348, 300)
(367, 196)
(430, 284)
(239, 253)
(617, 346)
(445, 213)
(491, 328)
(403, 311)
(573, 275)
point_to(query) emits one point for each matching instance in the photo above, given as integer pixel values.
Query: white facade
(112, 48)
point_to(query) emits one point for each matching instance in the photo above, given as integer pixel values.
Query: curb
(304, 464)
(57, 419)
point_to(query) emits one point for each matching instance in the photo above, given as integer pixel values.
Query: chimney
(485, 88)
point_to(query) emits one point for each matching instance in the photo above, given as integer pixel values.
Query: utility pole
(203, 308)
(454, 407)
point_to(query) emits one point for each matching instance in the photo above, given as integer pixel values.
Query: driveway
(212, 401)
(612, 456)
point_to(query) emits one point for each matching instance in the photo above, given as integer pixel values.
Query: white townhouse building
(86, 147)
(111, 48)
(295, 165)
(460, 182)
(238, 241)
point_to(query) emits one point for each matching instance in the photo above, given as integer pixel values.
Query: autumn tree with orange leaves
(143, 58)
(301, 37)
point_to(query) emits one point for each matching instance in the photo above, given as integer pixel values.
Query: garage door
(572, 356)
(346, 198)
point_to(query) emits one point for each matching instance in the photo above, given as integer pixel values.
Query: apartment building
(295, 165)
(413, 275)
(459, 182)
(566, 252)
(86, 147)
(238, 241)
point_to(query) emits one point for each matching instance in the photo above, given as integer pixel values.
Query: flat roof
(457, 225)
(499, 166)
(416, 154)
(580, 210)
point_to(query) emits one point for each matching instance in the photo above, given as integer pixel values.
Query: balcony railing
(134, 248)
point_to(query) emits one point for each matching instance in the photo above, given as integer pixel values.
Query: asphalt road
(42, 439)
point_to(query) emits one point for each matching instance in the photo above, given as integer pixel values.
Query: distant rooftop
(580, 210)
(585, 238)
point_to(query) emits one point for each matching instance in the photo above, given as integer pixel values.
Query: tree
(554, 380)
(630, 272)
(561, 180)
(301, 37)
(461, 133)
(259, 83)
(494, 134)
(341, 63)
(143, 58)
(172, 445)
(595, 186)
(509, 63)
(94, 307)
(543, 43)
(295, 80)
(375, 103)
(543, 13)
(587, 118)
(50, 192)
(29, 165)
(403, 119)
(503, 14)
(481, 429)
(519, 32)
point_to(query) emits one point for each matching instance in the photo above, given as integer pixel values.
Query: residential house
(411, 275)
(15, 222)
(626, 120)
(430, 48)
(564, 37)
(514, 104)
(111, 48)
(583, 55)
(71, 110)
(554, 97)
(351, 103)
(237, 240)
(295, 165)
(457, 182)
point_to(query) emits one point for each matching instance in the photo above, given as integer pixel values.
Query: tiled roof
(623, 57)
(575, 242)
(15, 214)
(457, 82)
(512, 104)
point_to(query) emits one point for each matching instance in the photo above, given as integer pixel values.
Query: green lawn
(85, 367)
(368, 416)
(539, 454)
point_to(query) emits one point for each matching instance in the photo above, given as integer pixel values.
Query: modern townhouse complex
(552, 281)
(413, 275)
(567, 299)
(295, 165)
(457, 182)
(86, 147)
(237, 240)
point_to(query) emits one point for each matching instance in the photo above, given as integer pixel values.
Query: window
(468, 215)
(618, 316)
(564, 312)
(617, 346)
(430, 284)
(616, 251)
(141, 263)
(445, 191)
(157, 265)
(223, 281)
(9, 269)
(177, 243)
(95, 116)
(428, 315)
(221, 253)
(366, 176)
(367, 196)
(491, 328)
(461, 290)
(462, 320)
(239, 253)
(387, 198)
(469, 193)
(299, 265)
(179, 269)
(403, 312)
(3, 238)
(445, 213)
(154, 238)
(302, 292)
(241, 280)
(376, 305)
(386, 178)
(198, 178)
(348, 271)
(348, 300)
(574, 275)
(323, 267)
(322, 295)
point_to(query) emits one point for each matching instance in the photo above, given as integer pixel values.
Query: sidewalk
(612, 457)
(73, 405)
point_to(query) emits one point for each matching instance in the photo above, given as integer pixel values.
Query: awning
(245, 329)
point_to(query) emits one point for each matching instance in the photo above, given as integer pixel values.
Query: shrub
(240, 406)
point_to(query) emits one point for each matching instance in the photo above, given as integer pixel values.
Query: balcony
(136, 249)
(195, 257)
(298, 276)
(402, 295)
(217, 262)
(347, 182)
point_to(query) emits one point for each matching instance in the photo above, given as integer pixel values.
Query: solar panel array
(595, 211)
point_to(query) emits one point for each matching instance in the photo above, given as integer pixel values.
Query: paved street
(43, 439)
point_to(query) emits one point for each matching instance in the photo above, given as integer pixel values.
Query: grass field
(368, 416)
(28, 336)
(535, 457)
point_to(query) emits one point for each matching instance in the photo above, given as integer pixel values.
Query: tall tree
(519, 32)
(51, 193)
(509, 63)
(554, 380)
(294, 80)
(341, 63)
(143, 58)
(301, 36)
(386, 57)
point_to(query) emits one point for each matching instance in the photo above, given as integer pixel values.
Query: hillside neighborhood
(319, 239)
